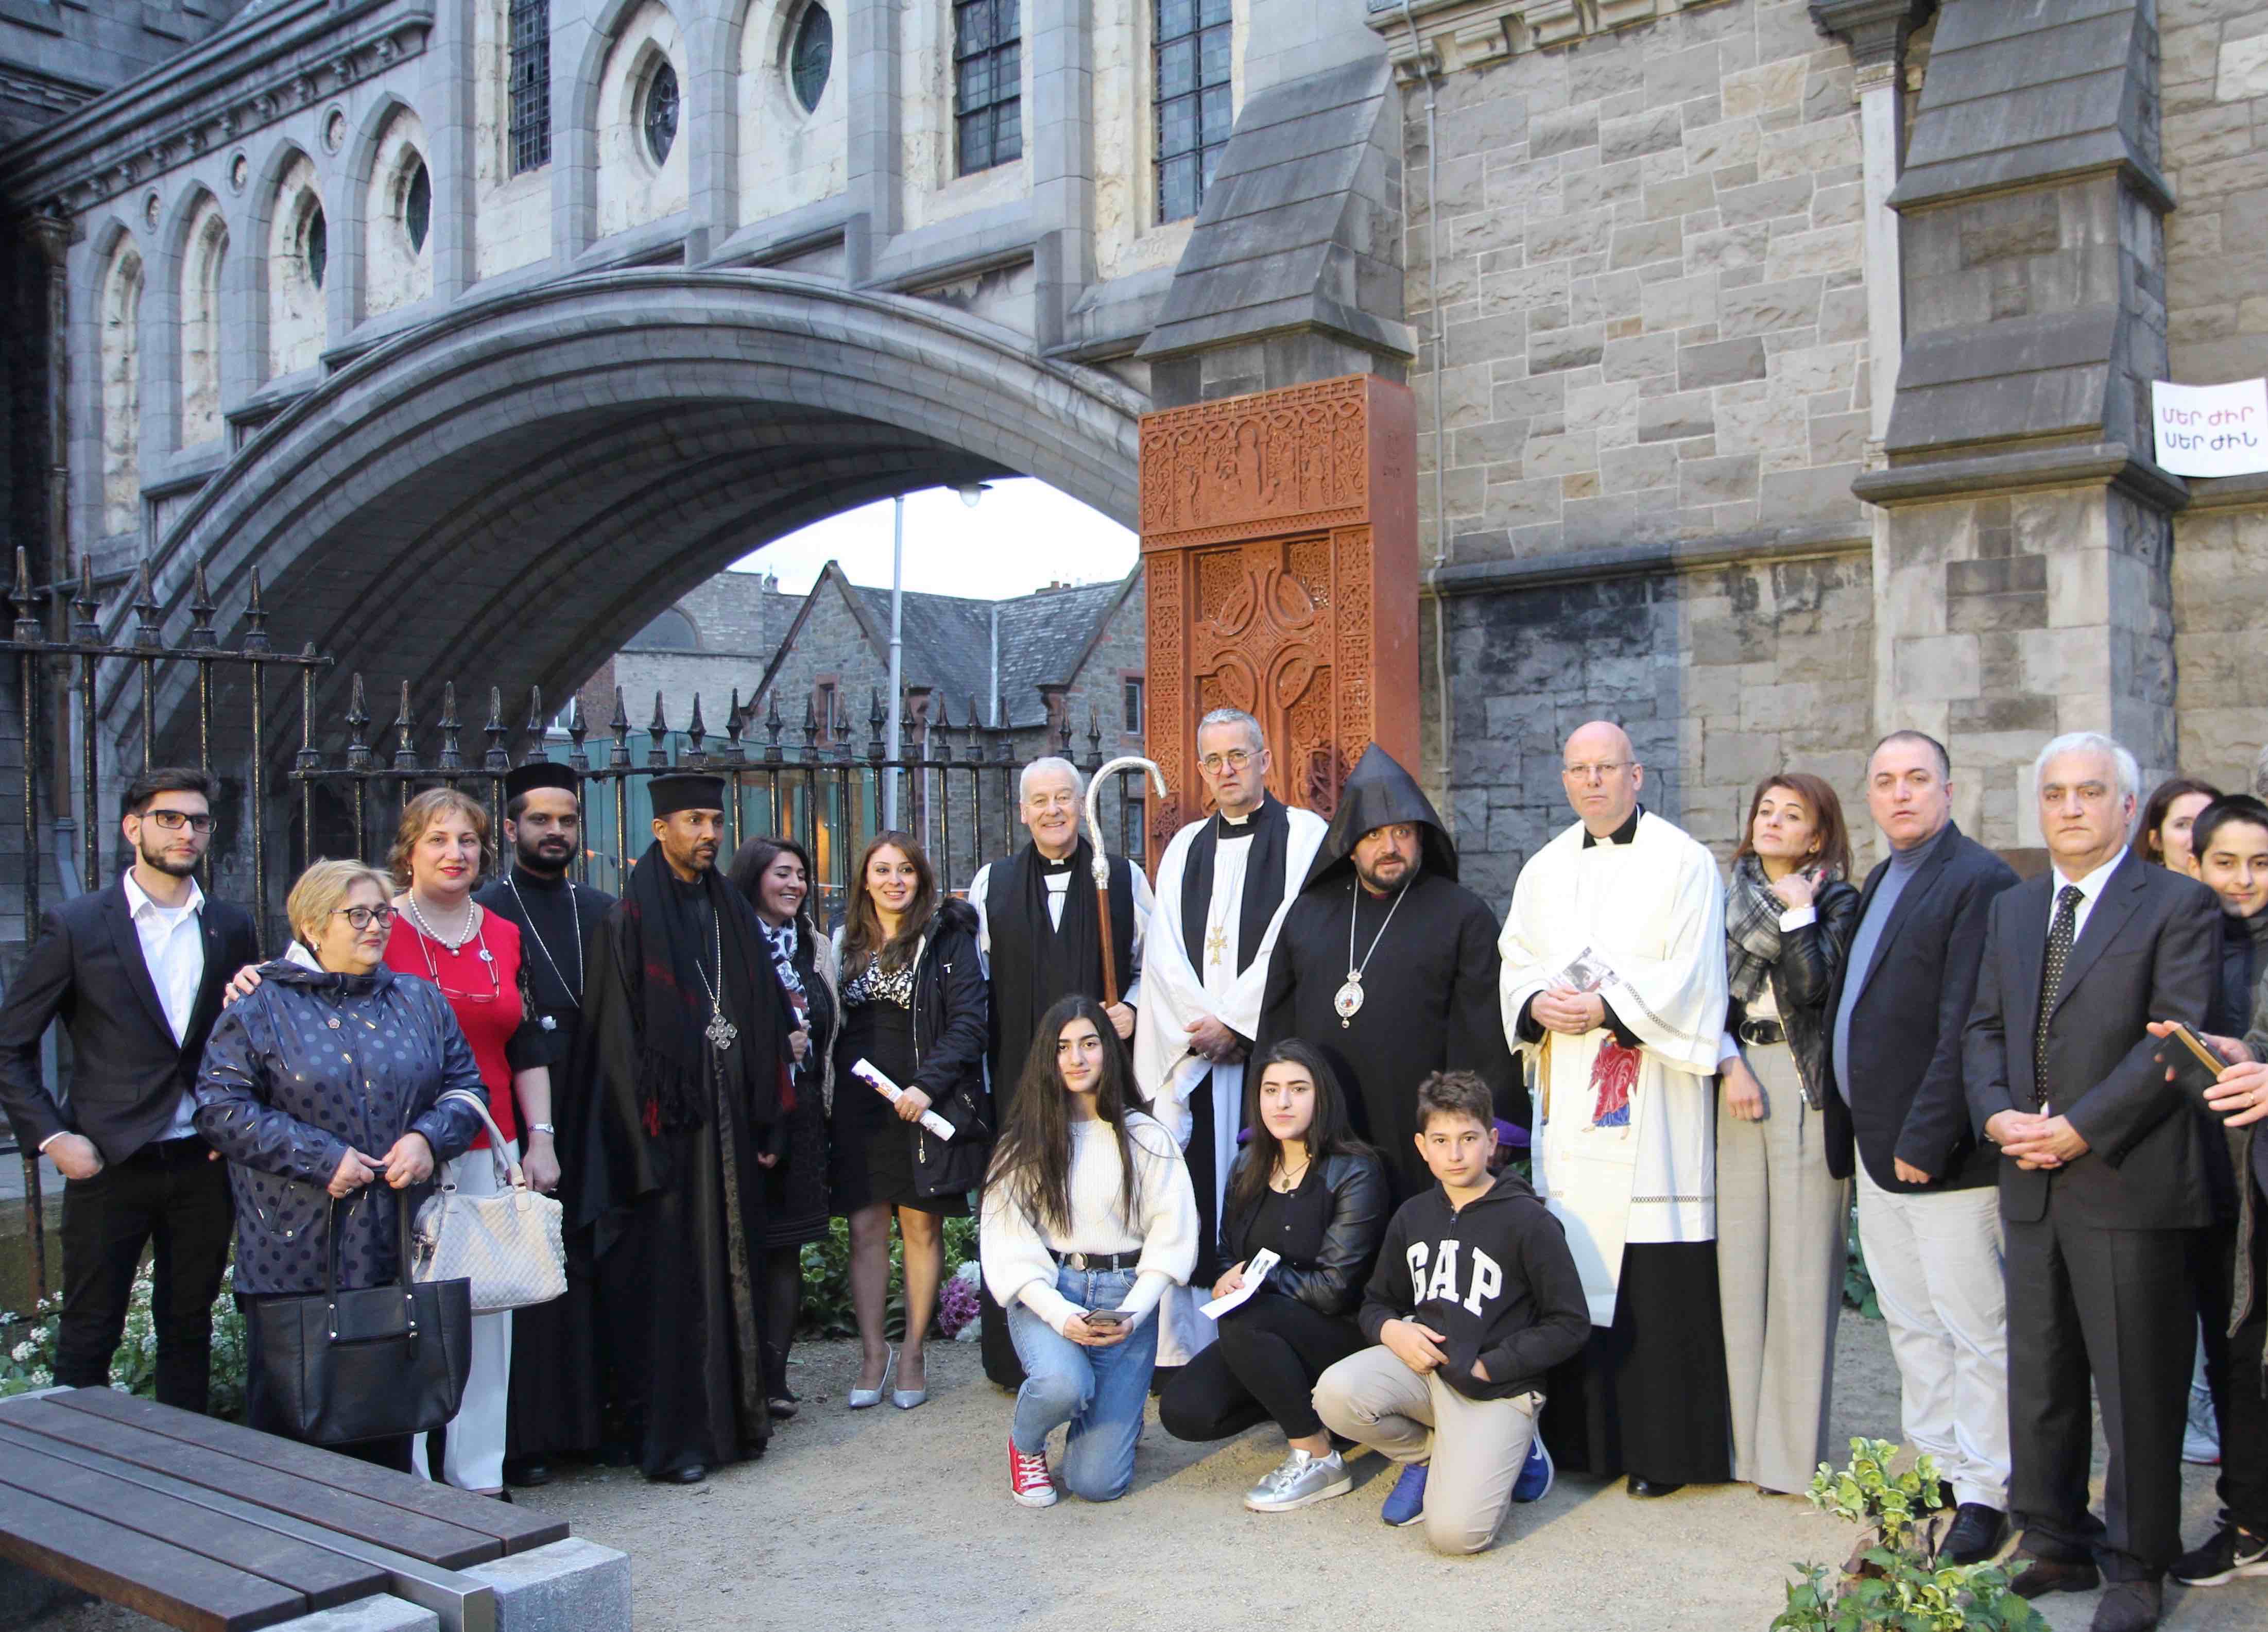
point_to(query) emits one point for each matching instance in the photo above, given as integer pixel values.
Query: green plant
(1893, 1581)
(1857, 1282)
(826, 1279)
(29, 1360)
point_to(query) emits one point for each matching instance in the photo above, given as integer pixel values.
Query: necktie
(2060, 934)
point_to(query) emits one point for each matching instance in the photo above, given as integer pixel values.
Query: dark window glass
(531, 84)
(417, 206)
(660, 119)
(1192, 100)
(671, 631)
(1133, 705)
(812, 57)
(314, 241)
(988, 83)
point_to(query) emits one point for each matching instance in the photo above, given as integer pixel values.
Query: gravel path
(884, 1520)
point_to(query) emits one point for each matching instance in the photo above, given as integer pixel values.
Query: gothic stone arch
(506, 494)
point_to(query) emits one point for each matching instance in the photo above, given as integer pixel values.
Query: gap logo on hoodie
(1482, 1276)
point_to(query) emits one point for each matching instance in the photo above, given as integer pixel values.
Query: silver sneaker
(1300, 1480)
(2201, 1440)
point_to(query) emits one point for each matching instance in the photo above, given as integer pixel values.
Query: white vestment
(1624, 1147)
(1174, 993)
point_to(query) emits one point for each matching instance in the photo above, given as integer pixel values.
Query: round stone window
(812, 57)
(335, 129)
(659, 118)
(239, 172)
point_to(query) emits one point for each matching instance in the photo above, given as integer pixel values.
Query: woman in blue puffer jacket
(317, 1084)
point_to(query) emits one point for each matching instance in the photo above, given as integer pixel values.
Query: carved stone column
(53, 233)
(1279, 542)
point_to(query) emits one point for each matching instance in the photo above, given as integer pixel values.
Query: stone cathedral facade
(1765, 373)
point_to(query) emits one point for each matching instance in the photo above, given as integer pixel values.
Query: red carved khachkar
(1279, 531)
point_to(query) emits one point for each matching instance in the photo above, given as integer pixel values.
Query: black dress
(871, 1148)
(795, 1187)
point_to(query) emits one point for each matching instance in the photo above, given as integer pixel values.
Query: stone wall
(1652, 281)
(2213, 70)
(1720, 676)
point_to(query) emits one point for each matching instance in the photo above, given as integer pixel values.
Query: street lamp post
(970, 492)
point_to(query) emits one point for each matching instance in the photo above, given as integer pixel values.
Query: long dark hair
(2146, 846)
(754, 858)
(862, 925)
(1827, 824)
(1033, 1155)
(1330, 1134)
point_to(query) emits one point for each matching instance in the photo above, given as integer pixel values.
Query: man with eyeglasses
(1223, 885)
(134, 973)
(1615, 986)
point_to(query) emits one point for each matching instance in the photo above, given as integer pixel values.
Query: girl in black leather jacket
(1306, 1189)
(1781, 1218)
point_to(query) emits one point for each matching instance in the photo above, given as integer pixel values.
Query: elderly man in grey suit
(2102, 1178)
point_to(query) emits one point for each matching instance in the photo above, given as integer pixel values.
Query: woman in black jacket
(914, 1008)
(1781, 1220)
(1307, 1190)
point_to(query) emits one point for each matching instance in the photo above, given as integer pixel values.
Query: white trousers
(474, 1457)
(1935, 1260)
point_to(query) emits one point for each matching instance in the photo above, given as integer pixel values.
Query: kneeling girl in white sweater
(1088, 1217)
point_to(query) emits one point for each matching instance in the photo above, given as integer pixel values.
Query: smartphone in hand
(2193, 1066)
(1106, 1319)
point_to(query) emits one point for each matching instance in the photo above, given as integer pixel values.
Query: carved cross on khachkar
(1279, 538)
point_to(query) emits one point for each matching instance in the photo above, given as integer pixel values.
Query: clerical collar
(1051, 867)
(1230, 826)
(1623, 835)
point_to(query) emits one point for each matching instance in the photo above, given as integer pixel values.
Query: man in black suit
(1927, 1211)
(135, 972)
(2103, 1184)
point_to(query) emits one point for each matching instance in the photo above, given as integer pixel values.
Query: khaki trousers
(1477, 1447)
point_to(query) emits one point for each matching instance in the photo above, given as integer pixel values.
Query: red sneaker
(1028, 1481)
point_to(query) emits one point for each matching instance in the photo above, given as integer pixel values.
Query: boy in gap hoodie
(1475, 1298)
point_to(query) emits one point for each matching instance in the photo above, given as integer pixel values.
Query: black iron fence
(341, 791)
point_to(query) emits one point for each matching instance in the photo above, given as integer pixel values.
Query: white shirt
(173, 948)
(2090, 890)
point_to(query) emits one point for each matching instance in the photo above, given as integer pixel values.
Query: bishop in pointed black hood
(1390, 985)
(1379, 794)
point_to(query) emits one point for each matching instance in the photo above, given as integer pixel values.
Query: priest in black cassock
(554, 1367)
(1039, 936)
(1389, 966)
(680, 1067)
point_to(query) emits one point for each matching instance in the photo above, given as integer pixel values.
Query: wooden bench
(212, 1528)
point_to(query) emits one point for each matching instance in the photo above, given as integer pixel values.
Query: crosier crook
(1126, 761)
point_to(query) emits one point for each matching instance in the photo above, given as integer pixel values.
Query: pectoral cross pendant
(722, 1032)
(1216, 944)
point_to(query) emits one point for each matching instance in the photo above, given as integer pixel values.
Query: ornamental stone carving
(1279, 540)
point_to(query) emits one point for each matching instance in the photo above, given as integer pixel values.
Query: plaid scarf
(1751, 928)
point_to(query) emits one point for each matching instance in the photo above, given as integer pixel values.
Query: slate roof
(1044, 639)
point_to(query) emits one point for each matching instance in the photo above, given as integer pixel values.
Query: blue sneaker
(1405, 1504)
(1534, 1480)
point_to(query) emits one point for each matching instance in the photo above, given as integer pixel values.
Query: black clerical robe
(667, 1177)
(553, 1402)
(1429, 1002)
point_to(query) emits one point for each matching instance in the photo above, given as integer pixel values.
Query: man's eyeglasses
(172, 821)
(1235, 759)
(1593, 773)
(363, 918)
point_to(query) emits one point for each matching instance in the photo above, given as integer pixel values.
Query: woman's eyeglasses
(363, 918)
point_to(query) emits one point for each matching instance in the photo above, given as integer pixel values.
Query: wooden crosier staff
(1127, 761)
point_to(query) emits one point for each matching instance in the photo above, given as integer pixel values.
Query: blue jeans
(1100, 1393)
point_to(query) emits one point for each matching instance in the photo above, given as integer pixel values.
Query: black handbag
(340, 1368)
